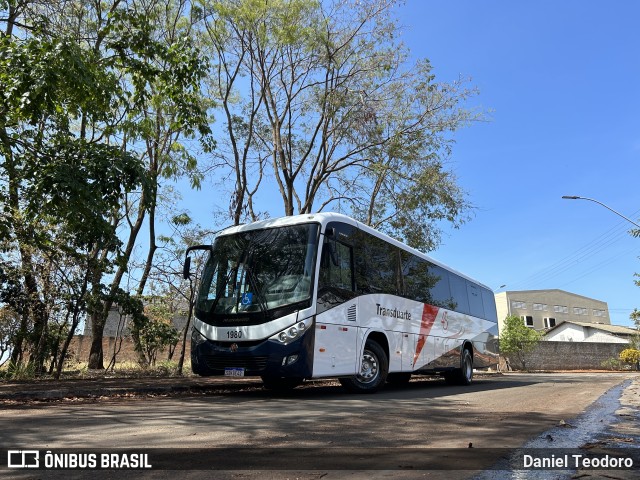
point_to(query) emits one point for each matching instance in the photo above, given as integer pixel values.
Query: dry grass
(80, 370)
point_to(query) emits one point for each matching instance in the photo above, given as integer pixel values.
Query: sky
(561, 80)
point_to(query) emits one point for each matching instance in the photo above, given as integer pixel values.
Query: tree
(163, 70)
(62, 185)
(96, 96)
(150, 47)
(517, 340)
(156, 332)
(631, 356)
(634, 341)
(325, 93)
(240, 99)
(167, 277)
(407, 190)
(9, 323)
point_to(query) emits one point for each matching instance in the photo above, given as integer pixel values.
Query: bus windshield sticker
(247, 298)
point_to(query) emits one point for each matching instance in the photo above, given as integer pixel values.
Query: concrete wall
(117, 329)
(546, 356)
(81, 345)
(571, 355)
(118, 325)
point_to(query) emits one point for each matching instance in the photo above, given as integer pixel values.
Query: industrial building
(546, 309)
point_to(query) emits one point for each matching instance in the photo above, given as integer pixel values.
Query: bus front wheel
(373, 370)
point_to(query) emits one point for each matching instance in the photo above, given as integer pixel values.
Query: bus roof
(326, 217)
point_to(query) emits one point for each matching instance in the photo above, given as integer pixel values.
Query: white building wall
(604, 337)
(568, 332)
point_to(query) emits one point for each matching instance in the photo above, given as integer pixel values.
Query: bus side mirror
(329, 252)
(187, 267)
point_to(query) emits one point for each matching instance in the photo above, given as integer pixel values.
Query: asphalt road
(495, 412)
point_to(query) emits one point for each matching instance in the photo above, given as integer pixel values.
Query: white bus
(315, 296)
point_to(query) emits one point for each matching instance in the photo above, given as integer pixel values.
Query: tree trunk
(96, 354)
(75, 320)
(34, 309)
(99, 318)
(184, 339)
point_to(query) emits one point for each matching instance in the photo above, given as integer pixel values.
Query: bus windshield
(258, 271)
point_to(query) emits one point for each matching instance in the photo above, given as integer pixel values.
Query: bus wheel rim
(369, 369)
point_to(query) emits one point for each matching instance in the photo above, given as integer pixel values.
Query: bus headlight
(294, 332)
(197, 338)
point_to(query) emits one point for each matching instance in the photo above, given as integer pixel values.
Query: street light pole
(575, 197)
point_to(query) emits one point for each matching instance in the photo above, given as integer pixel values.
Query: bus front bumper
(268, 358)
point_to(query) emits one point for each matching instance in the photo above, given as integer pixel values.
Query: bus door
(336, 341)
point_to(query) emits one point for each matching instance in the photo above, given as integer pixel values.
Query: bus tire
(280, 383)
(399, 378)
(373, 371)
(464, 374)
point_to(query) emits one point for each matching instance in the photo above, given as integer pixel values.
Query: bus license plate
(234, 372)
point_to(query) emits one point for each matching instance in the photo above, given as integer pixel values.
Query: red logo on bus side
(444, 321)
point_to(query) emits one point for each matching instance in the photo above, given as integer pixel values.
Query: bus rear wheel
(373, 370)
(464, 374)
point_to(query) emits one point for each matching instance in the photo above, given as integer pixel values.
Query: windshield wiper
(221, 288)
(261, 300)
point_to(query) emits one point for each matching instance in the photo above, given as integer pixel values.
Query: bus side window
(459, 293)
(489, 303)
(417, 282)
(335, 284)
(426, 282)
(340, 271)
(475, 300)
(441, 290)
(377, 266)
